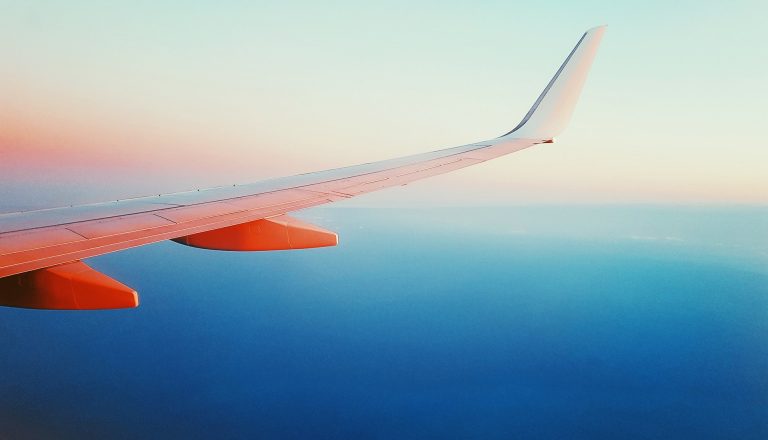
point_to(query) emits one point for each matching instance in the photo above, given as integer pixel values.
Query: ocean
(531, 322)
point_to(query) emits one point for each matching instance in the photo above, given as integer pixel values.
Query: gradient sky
(101, 100)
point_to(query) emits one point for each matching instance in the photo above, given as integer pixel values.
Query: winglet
(551, 112)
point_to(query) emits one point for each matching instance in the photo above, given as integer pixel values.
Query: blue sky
(163, 96)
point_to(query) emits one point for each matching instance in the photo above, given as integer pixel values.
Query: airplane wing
(40, 251)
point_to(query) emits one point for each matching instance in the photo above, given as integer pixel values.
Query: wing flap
(190, 213)
(19, 241)
(120, 225)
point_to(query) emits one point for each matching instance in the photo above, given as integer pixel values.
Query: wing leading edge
(48, 244)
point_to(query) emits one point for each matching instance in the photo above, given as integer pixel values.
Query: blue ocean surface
(577, 322)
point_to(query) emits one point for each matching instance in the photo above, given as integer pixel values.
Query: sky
(106, 100)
